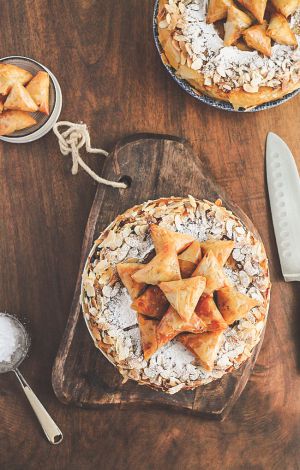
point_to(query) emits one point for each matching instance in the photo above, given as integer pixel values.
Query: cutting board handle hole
(126, 179)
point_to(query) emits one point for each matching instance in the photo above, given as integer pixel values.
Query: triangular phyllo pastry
(220, 248)
(209, 313)
(217, 10)
(237, 22)
(38, 88)
(152, 302)
(257, 38)
(233, 305)
(125, 271)
(256, 7)
(172, 324)
(212, 271)
(205, 347)
(286, 7)
(148, 329)
(183, 295)
(280, 31)
(19, 99)
(189, 259)
(10, 74)
(163, 267)
(11, 121)
(162, 237)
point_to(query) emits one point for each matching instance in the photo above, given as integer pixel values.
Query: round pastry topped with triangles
(175, 293)
(241, 51)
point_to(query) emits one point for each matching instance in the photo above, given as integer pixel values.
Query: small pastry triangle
(162, 237)
(257, 38)
(172, 324)
(204, 346)
(217, 10)
(19, 99)
(189, 259)
(256, 7)
(237, 22)
(163, 267)
(152, 303)
(11, 121)
(212, 271)
(220, 248)
(10, 74)
(125, 271)
(148, 330)
(183, 295)
(233, 305)
(280, 31)
(286, 7)
(207, 310)
(38, 88)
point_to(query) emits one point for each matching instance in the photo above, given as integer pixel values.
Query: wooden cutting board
(154, 166)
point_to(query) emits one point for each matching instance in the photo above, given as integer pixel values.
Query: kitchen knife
(284, 193)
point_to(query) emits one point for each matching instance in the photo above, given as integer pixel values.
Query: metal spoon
(51, 430)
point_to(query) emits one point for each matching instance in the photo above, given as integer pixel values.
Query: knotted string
(72, 140)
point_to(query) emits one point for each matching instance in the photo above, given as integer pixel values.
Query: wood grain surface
(81, 375)
(111, 77)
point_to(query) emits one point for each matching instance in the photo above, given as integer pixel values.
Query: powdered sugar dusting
(116, 308)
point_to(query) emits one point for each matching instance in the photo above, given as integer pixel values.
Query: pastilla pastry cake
(175, 293)
(243, 52)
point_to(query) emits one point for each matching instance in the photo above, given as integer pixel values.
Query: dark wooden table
(111, 77)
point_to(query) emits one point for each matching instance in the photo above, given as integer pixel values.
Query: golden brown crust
(233, 305)
(125, 271)
(220, 248)
(257, 38)
(152, 303)
(189, 259)
(19, 99)
(237, 22)
(210, 314)
(11, 121)
(204, 347)
(279, 30)
(286, 7)
(256, 7)
(163, 267)
(10, 74)
(210, 268)
(38, 88)
(163, 238)
(172, 324)
(184, 294)
(217, 10)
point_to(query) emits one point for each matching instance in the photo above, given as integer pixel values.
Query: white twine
(72, 140)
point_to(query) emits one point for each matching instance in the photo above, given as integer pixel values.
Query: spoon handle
(52, 431)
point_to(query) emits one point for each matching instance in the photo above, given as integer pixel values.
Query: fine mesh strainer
(51, 430)
(44, 123)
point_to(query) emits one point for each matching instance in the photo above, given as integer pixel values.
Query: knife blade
(284, 193)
